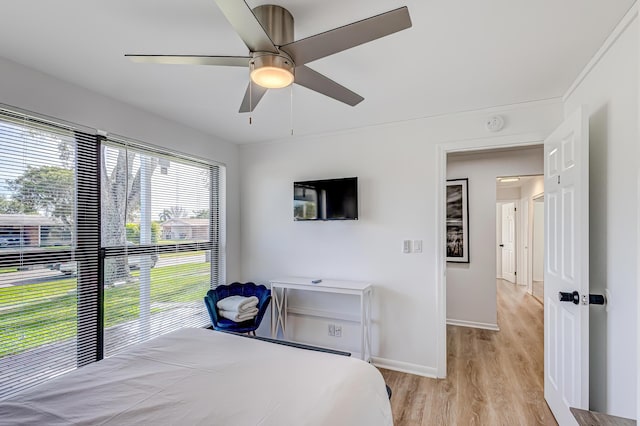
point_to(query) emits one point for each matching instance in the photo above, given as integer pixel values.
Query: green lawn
(47, 312)
(178, 241)
(182, 254)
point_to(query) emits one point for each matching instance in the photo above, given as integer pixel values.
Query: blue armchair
(237, 289)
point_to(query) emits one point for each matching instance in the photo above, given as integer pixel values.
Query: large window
(103, 243)
(159, 225)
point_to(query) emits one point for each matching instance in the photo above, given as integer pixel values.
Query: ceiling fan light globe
(272, 77)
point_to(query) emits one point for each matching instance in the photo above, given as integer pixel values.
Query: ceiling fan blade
(252, 96)
(242, 19)
(317, 82)
(231, 61)
(342, 38)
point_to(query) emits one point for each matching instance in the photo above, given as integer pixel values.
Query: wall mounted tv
(329, 199)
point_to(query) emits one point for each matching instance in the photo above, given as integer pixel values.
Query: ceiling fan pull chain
(250, 94)
(291, 111)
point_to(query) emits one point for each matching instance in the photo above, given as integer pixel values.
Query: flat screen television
(329, 199)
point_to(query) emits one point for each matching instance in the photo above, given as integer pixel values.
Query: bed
(197, 376)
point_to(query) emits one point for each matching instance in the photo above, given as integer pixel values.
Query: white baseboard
(405, 367)
(473, 324)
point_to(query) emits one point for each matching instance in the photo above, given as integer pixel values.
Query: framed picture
(457, 221)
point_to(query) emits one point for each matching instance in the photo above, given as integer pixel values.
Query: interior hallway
(537, 289)
(494, 378)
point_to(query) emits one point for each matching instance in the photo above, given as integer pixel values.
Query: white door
(566, 243)
(508, 242)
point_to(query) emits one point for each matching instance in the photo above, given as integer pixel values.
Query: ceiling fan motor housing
(277, 23)
(268, 69)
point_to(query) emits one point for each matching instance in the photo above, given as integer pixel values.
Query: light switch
(406, 246)
(417, 246)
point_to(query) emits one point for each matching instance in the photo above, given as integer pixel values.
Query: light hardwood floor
(537, 289)
(493, 378)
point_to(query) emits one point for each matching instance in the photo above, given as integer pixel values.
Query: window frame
(86, 248)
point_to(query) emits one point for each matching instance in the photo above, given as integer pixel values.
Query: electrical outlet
(338, 330)
(332, 329)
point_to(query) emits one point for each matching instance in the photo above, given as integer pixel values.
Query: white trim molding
(638, 245)
(405, 367)
(440, 262)
(473, 324)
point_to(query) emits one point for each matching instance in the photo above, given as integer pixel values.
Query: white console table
(279, 307)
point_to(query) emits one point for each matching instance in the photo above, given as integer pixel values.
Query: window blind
(103, 243)
(49, 217)
(160, 240)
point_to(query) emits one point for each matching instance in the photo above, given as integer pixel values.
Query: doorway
(520, 232)
(566, 153)
(471, 291)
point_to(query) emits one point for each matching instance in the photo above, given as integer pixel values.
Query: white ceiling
(459, 55)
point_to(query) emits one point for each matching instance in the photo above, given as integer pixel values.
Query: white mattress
(202, 377)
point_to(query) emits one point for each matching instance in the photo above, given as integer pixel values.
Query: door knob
(501, 245)
(592, 299)
(569, 297)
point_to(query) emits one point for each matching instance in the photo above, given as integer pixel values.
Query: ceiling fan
(276, 60)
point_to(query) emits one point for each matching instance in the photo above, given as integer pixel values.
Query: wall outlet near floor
(334, 330)
(338, 330)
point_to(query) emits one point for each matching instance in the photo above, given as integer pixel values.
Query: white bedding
(202, 377)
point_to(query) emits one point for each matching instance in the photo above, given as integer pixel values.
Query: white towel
(239, 304)
(238, 316)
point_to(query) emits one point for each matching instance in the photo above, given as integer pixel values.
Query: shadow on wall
(598, 253)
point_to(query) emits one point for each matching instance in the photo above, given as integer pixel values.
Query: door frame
(525, 242)
(530, 228)
(442, 150)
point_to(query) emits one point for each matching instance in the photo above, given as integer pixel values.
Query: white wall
(395, 164)
(43, 94)
(508, 194)
(610, 91)
(471, 287)
(531, 187)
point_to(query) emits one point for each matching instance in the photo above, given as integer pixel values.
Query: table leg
(362, 324)
(368, 336)
(285, 314)
(274, 309)
(278, 317)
